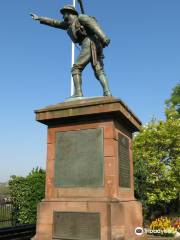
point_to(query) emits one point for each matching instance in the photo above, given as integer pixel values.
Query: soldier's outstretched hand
(34, 16)
(106, 42)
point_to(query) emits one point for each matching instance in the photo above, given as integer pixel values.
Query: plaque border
(102, 184)
(128, 185)
(97, 213)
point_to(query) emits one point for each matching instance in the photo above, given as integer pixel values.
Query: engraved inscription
(76, 225)
(79, 158)
(124, 161)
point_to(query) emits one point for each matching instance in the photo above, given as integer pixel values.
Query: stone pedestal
(89, 173)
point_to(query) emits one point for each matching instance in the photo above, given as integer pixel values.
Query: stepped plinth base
(89, 176)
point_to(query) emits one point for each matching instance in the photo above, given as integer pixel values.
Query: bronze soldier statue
(85, 31)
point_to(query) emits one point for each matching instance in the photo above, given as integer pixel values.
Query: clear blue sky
(142, 63)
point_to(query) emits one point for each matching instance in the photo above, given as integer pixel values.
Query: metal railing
(6, 214)
(23, 232)
(9, 227)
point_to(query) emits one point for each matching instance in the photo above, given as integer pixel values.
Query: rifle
(81, 6)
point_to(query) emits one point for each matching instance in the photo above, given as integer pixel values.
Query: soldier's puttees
(85, 31)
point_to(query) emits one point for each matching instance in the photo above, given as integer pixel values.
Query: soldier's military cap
(69, 8)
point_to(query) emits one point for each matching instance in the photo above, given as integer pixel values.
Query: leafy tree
(157, 164)
(174, 102)
(157, 160)
(26, 192)
(4, 190)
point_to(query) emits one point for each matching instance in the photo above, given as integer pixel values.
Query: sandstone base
(118, 220)
(89, 172)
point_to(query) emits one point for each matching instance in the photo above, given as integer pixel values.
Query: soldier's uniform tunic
(86, 32)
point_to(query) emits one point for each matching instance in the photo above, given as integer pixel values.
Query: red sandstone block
(109, 148)
(126, 194)
(80, 192)
(110, 166)
(51, 136)
(111, 186)
(49, 187)
(45, 218)
(44, 228)
(41, 236)
(50, 151)
(109, 131)
(105, 233)
(50, 168)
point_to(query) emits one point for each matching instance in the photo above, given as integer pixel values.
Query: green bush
(26, 192)
(157, 162)
(4, 190)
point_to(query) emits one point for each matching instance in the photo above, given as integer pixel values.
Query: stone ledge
(96, 107)
(89, 199)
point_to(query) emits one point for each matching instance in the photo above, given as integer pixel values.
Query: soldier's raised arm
(50, 22)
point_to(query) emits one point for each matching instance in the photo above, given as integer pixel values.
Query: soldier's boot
(77, 86)
(104, 83)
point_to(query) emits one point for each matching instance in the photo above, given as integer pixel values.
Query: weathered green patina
(124, 161)
(85, 31)
(76, 225)
(79, 158)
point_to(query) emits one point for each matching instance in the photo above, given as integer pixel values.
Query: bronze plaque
(79, 158)
(124, 161)
(76, 226)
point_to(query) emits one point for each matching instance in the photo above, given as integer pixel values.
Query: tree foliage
(4, 190)
(26, 192)
(157, 162)
(174, 101)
